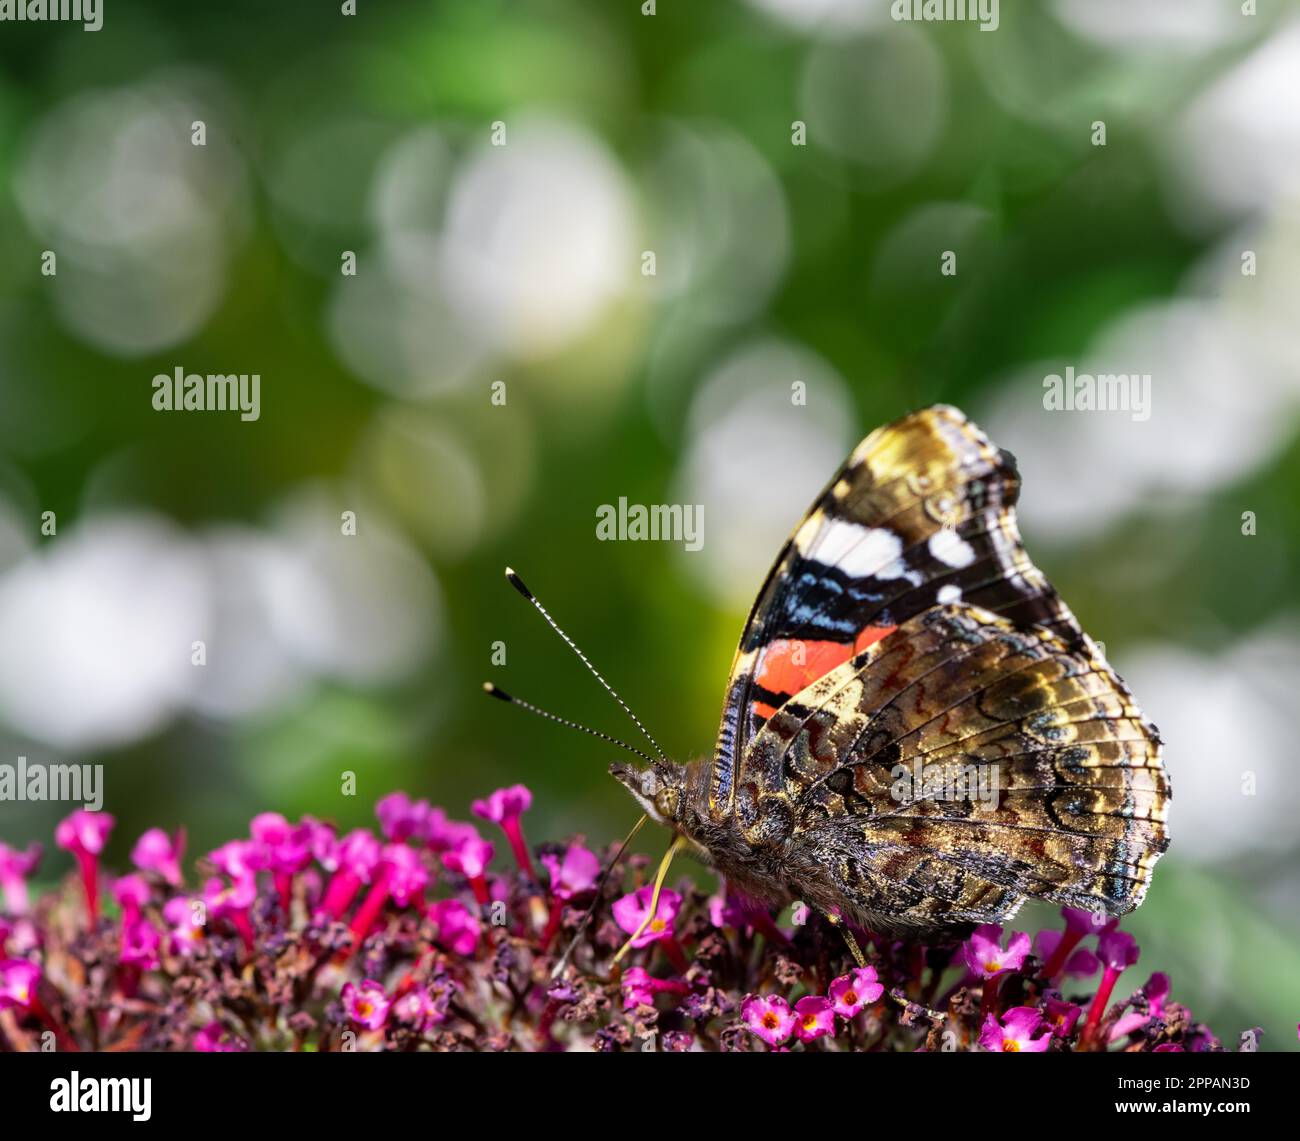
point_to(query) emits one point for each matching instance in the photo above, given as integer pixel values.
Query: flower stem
(478, 884)
(552, 923)
(342, 890)
(1069, 940)
(369, 910)
(89, 865)
(989, 999)
(514, 831)
(245, 928)
(676, 955)
(1098, 1007)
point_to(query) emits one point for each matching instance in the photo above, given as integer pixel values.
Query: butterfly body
(917, 735)
(677, 797)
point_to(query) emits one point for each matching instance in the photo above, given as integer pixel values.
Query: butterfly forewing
(919, 515)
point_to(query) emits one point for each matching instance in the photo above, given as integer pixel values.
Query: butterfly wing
(956, 767)
(920, 514)
(903, 628)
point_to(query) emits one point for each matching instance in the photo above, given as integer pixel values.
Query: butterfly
(903, 659)
(917, 736)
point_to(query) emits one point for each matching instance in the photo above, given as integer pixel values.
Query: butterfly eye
(666, 803)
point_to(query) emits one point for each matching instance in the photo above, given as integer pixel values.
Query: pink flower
(355, 859)
(732, 909)
(1081, 964)
(401, 876)
(504, 804)
(186, 932)
(15, 867)
(84, 831)
(359, 852)
(407, 874)
(855, 991)
(639, 987)
(1081, 922)
(416, 1008)
(631, 910)
(505, 807)
(84, 834)
(1078, 923)
(366, 1003)
(725, 911)
(1117, 950)
(18, 979)
(984, 955)
(1155, 993)
(470, 858)
(443, 834)
(286, 848)
(216, 1039)
(1015, 1032)
(401, 818)
(575, 874)
(131, 893)
(232, 902)
(239, 858)
(458, 928)
(140, 943)
(1061, 1016)
(413, 1007)
(22, 938)
(155, 851)
(814, 1018)
(322, 839)
(225, 900)
(769, 1017)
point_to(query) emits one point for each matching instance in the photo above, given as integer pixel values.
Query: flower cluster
(813, 1016)
(415, 936)
(992, 992)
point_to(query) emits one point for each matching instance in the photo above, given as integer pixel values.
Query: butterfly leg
(849, 938)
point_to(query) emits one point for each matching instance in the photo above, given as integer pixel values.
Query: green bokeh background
(1070, 236)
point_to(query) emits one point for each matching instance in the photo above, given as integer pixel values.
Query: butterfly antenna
(501, 695)
(518, 584)
(563, 960)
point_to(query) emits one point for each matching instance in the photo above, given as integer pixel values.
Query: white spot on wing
(858, 551)
(949, 592)
(951, 549)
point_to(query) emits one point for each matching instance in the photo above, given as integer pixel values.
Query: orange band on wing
(789, 665)
(870, 636)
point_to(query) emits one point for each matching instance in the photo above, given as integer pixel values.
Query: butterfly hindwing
(916, 717)
(969, 764)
